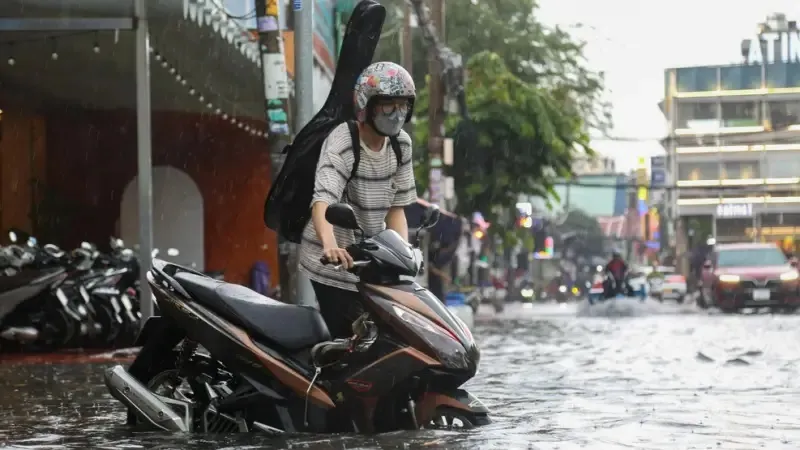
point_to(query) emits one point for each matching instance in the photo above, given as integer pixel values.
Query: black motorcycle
(35, 313)
(223, 358)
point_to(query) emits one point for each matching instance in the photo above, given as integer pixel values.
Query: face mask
(389, 124)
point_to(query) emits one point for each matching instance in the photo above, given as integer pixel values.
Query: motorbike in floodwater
(611, 288)
(222, 358)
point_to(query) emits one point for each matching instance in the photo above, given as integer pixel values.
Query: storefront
(68, 148)
(744, 222)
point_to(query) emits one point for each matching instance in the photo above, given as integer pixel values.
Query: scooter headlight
(417, 321)
(527, 293)
(447, 347)
(562, 289)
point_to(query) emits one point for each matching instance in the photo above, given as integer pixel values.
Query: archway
(177, 216)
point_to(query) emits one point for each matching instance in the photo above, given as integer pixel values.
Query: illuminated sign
(732, 211)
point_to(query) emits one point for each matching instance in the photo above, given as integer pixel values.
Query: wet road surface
(671, 378)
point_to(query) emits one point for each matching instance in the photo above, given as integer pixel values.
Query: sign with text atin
(774, 47)
(734, 211)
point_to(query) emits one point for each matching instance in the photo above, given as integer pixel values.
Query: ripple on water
(552, 379)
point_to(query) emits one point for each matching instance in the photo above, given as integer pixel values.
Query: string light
(202, 98)
(54, 55)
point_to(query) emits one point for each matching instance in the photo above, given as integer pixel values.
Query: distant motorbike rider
(618, 269)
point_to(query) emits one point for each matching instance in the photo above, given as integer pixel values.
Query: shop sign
(732, 211)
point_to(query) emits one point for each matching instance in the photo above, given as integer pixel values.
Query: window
(783, 75)
(733, 230)
(741, 114)
(694, 171)
(698, 115)
(751, 257)
(736, 170)
(782, 165)
(696, 79)
(740, 77)
(746, 170)
(783, 113)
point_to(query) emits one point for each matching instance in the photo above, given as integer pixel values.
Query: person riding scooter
(617, 269)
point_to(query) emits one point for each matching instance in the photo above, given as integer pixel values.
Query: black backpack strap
(356, 143)
(398, 151)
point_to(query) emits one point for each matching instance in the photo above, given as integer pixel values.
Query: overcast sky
(633, 41)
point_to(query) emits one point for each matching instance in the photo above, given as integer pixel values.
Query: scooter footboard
(459, 399)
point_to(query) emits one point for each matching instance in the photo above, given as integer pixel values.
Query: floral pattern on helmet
(386, 79)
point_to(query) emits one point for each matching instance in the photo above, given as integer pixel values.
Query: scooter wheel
(110, 327)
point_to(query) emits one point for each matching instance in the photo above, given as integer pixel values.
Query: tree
(519, 140)
(549, 58)
(582, 233)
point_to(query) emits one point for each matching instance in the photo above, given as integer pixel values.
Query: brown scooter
(223, 358)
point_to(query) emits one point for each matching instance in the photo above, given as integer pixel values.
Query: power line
(671, 187)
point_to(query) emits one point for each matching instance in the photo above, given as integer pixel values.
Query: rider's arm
(405, 189)
(329, 184)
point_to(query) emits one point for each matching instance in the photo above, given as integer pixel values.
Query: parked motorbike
(224, 358)
(35, 313)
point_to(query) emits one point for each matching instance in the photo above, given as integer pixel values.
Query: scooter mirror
(431, 216)
(173, 252)
(342, 215)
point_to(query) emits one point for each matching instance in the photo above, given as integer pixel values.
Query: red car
(750, 276)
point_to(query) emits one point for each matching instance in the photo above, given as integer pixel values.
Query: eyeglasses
(392, 107)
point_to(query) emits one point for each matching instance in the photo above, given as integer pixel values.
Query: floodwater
(556, 378)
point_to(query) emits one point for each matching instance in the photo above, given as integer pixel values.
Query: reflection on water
(553, 380)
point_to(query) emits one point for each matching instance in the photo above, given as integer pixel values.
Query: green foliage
(579, 221)
(530, 96)
(519, 140)
(549, 58)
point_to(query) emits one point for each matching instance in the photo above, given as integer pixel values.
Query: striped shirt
(379, 184)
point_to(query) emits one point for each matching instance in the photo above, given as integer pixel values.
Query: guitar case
(287, 207)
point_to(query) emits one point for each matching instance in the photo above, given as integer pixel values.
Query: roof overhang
(201, 60)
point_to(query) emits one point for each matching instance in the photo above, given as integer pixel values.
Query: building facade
(734, 144)
(597, 165)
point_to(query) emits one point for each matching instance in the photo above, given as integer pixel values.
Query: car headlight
(729, 278)
(790, 276)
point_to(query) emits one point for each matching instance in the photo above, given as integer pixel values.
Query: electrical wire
(673, 187)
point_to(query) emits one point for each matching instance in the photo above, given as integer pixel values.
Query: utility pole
(436, 112)
(304, 100)
(276, 107)
(406, 44)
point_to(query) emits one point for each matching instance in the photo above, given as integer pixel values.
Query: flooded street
(669, 380)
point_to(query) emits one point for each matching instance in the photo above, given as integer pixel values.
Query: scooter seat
(289, 326)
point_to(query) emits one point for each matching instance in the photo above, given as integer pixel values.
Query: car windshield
(751, 257)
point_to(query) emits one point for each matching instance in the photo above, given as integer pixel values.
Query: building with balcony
(734, 144)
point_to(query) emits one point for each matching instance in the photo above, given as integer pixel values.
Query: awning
(202, 61)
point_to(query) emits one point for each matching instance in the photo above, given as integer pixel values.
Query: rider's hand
(337, 256)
